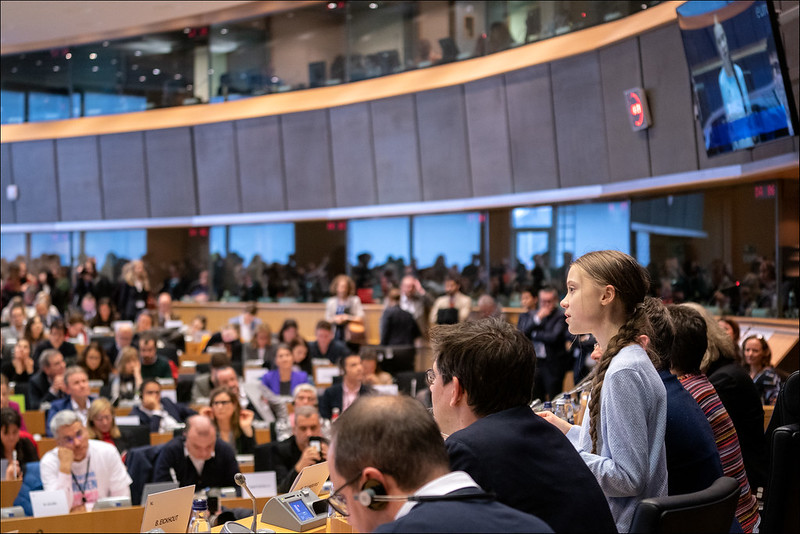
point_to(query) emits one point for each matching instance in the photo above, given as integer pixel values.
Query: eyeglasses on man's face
(73, 439)
(337, 501)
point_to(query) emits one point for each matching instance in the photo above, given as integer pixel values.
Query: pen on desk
(14, 459)
(173, 475)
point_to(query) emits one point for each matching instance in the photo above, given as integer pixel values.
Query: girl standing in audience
(344, 306)
(758, 357)
(622, 439)
(234, 425)
(20, 368)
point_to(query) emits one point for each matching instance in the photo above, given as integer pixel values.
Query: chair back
(710, 510)
(262, 457)
(783, 492)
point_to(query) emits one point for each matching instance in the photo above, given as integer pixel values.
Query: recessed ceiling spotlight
(56, 68)
(68, 55)
(142, 78)
(137, 53)
(95, 68)
(92, 56)
(373, 5)
(105, 44)
(224, 31)
(156, 72)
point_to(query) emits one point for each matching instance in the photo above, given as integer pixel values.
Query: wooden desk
(34, 421)
(767, 415)
(330, 526)
(8, 492)
(247, 467)
(123, 410)
(45, 444)
(262, 436)
(112, 520)
(157, 438)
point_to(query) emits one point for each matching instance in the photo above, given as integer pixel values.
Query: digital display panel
(301, 510)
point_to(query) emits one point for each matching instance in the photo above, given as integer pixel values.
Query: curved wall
(549, 126)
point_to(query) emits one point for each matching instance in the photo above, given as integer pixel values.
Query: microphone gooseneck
(241, 481)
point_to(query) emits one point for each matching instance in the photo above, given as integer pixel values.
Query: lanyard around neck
(85, 480)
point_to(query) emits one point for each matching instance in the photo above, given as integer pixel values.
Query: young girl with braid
(622, 440)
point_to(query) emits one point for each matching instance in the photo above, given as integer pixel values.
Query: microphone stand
(242, 482)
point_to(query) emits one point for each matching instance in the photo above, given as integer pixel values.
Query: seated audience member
(738, 394)
(340, 396)
(56, 340)
(452, 307)
(294, 454)
(234, 425)
(5, 400)
(165, 309)
(283, 379)
(96, 363)
(199, 290)
(481, 387)
(373, 375)
(76, 329)
(21, 367)
(10, 422)
(227, 338)
(16, 329)
(85, 469)
(88, 308)
(288, 331)
(196, 328)
(693, 462)
(47, 384)
(102, 425)
(153, 365)
(255, 397)
(160, 414)
(205, 382)
(35, 332)
(689, 347)
(78, 397)
(260, 347)
(123, 337)
(304, 395)
(487, 307)
(247, 322)
(757, 358)
(302, 362)
(144, 323)
(199, 457)
(325, 347)
(387, 448)
(399, 329)
(105, 314)
(127, 381)
(45, 310)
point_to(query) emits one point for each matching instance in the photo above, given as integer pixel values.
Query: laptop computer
(156, 487)
(312, 477)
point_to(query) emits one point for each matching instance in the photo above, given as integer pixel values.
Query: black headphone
(373, 496)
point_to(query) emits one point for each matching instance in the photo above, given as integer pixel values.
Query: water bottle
(564, 409)
(547, 406)
(200, 520)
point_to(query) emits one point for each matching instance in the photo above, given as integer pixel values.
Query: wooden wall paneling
(258, 146)
(170, 172)
(487, 130)
(628, 151)
(7, 208)
(580, 121)
(394, 130)
(34, 169)
(665, 75)
(353, 155)
(79, 178)
(307, 156)
(531, 129)
(123, 175)
(444, 155)
(217, 169)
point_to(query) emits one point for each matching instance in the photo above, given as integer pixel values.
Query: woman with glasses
(101, 425)
(234, 424)
(757, 357)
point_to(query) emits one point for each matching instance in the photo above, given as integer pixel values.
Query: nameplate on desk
(47, 503)
(253, 375)
(324, 374)
(127, 420)
(171, 394)
(386, 389)
(263, 483)
(168, 510)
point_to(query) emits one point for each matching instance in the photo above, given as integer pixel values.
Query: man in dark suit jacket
(528, 300)
(480, 389)
(160, 414)
(56, 340)
(385, 448)
(290, 456)
(325, 346)
(198, 458)
(399, 329)
(342, 395)
(78, 398)
(549, 335)
(47, 384)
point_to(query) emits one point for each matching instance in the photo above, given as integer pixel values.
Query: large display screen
(737, 71)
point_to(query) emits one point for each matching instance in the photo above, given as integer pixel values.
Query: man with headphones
(390, 472)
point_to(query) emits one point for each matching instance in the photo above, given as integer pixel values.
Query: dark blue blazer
(333, 398)
(178, 411)
(532, 467)
(474, 515)
(64, 403)
(218, 472)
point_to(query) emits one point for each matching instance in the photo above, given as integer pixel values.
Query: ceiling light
(373, 5)
(137, 53)
(56, 68)
(68, 55)
(105, 44)
(92, 56)
(95, 68)
(224, 31)
(142, 78)
(178, 76)
(156, 72)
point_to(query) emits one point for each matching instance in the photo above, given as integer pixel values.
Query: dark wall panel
(122, 169)
(673, 147)
(580, 121)
(217, 173)
(34, 169)
(444, 156)
(307, 153)
(79, 179)
(394, 130)
(628, 152)
(7, 208)
(353, 163)
(532, 133)
(487, 127)
(170, 172)
(258, 144)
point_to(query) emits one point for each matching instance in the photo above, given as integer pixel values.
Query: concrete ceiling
(30, 25)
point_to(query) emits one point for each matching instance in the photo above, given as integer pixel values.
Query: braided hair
(631, 283)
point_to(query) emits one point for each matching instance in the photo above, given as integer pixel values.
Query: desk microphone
(242, 482)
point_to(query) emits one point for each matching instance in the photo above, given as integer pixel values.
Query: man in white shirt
(391, 473)
(87, 470)
(452, 307)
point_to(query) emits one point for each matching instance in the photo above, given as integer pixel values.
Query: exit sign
(765, 191)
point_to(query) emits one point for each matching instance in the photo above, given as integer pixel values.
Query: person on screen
(735, 97)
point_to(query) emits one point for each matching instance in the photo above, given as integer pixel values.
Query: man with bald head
(199, 457)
